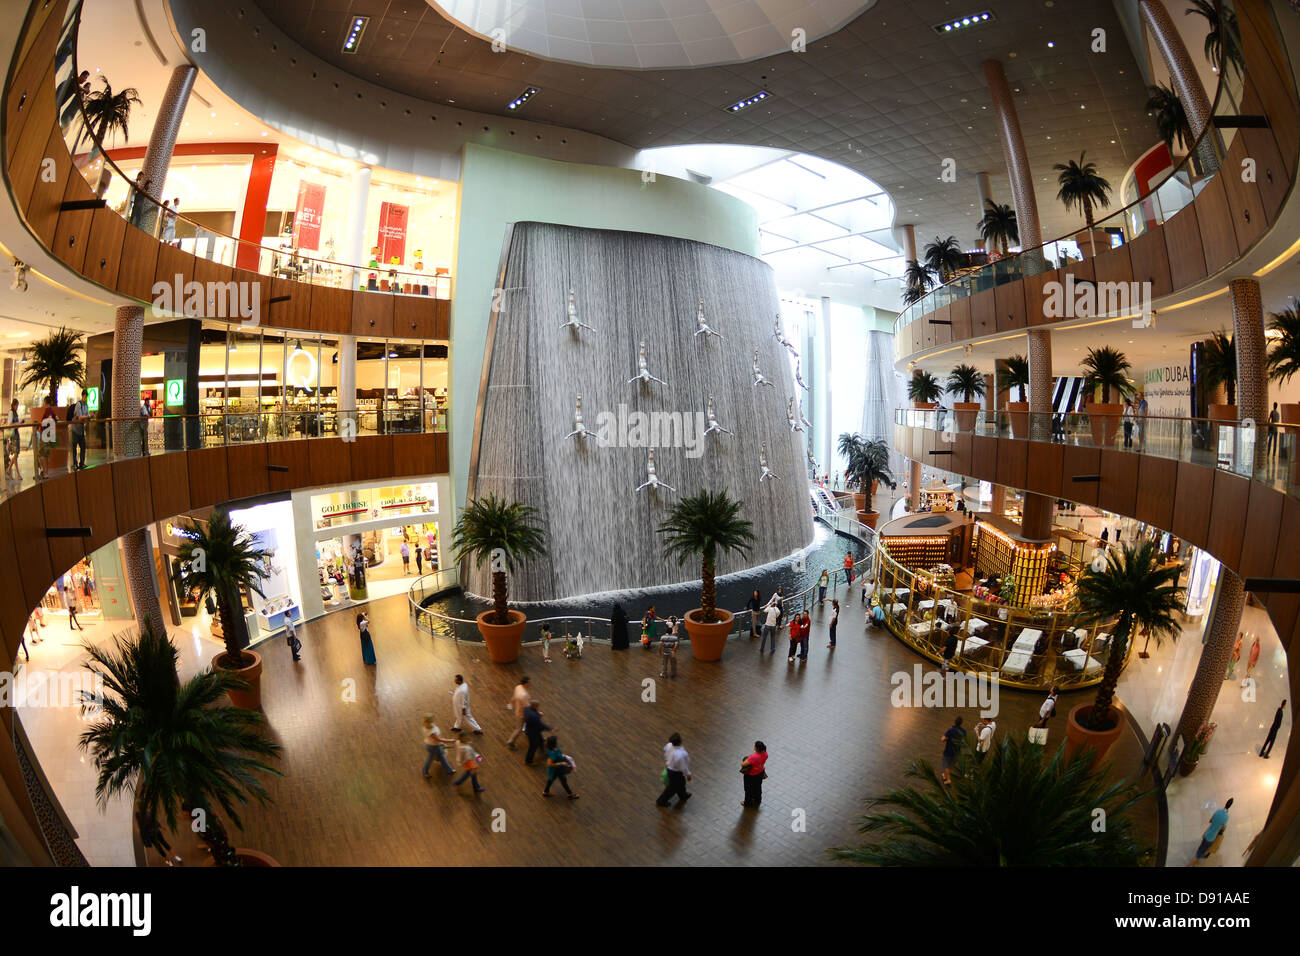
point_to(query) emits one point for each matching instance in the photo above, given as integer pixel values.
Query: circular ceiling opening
(651, 34)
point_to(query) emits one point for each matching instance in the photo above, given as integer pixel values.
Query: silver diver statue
(643, 370)
(702, 327)
(572, 322)
(579, 427)
(652, 480)
(759, 378)
(714, 424)
(795, 425)
(762, 463)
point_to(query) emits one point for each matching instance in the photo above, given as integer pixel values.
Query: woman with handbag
(754, 775)
(558, 767)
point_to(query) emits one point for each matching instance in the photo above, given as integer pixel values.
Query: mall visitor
(367, 645)
(291, 638)
(949, 646)
(984, 737)
(77, 415)
(1254, 657)
(1273, 419)
(796, 635)
(169, 221)
(755, 607)
(805, 629)
(419, 559)
(48, 438)
(770, 624)
(1048, 709)
(71, 598)
(668, 645)
(1236, 656)
(677, 770)
(12, 444)
(433, 745)
(754, 774)
(461, 709)
(649, 628)
(518, 702)
(22, 641)
(406, 557)
(1213, 833)
(1267, 749)
(1128, 418)
(558, 767)
(469, 760)
(822, 583)
(848, 568)
(1142, 409)
(546, 643)
(835, 620)
(534, 727)
(951, 740)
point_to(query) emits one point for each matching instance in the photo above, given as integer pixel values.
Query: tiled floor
(352, 792)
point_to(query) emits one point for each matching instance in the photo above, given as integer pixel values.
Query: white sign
(1169, 391)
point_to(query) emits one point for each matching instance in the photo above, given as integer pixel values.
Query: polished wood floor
(352, 793)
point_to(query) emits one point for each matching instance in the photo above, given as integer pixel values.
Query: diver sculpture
(759, 378)
(579, 428)
(714, 425)
(702, 327)
(643, 370)
(780, 336)
(652, 480)
(762, 463)
(572, 323)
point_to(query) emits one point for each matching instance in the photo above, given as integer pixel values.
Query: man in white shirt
(460, 707)
(1048, 710)
(519, 703)
(770, 621)
(678, 763)
(77, 415)
(984, 737)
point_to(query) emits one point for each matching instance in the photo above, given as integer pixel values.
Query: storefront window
(372, 376)
(243, 385)
(273, 359)
(302, 383)
(213, 352)
(403, 393)
(434, 384)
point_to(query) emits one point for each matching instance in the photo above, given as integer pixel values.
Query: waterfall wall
(634, 288)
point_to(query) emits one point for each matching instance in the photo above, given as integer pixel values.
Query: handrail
(136, 194)
(1208, 141)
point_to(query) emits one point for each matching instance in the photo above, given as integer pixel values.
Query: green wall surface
(500, 187)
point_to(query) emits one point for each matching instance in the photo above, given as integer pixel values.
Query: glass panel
(243, 384)
(403, 392)
(372, 376)
(275, 425)
(436, 387)
(302, 376)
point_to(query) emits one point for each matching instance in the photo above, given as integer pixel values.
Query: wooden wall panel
(14, 608)
(132, 494)
(170, 479)
(263, 286)
(961, 323)
(27, 512)
(206, 271)
(983, 314)
(441, 453)
(1156, 480)
(33, 70)
(1043, 465)
(960, 460)
(104, 248)
(1268, 72)
(1009, 304)
(173, 262)
(139, 263)
(1271, 174)
(294, 309)
(331, 461)
(927, 331)
(1182, 234)
(942, 331)
(1034, 295)
(47, 192)
(29, 146)
(1248, 218)
(1012, 457)
(72, 230)
(372, 457)
(1284, 609)
(62, 509)
(1113, 265)
(1228, 516)
(441, 321)
(372, 314)
(1079, 461)
(95, 498)
(246, 470)
(1119, 479)
(331, 310)
(1191, 496)
(209, 478)
(1263, 519)
(1150, 261)
(413, 455)
(1219, 244)
(413, 316)
(292, 455)
(984, 457)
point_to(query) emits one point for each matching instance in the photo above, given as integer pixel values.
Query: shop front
(367, 542)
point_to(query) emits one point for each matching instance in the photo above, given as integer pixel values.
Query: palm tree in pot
(175, 746)
(1171, 118)
(944, 257)
(871, 468)
(1284, 356)
(1107, 369)
(923, 389)
(53, 360)
(918, 279)
(1083, 188)
(968, 382)
(1137, 593)
(108, 113)
(852, 447)
(1016, 807)
(1013, 377)
(1222, 41)
(502, 534)
(221, 559)
(1218, 367)
(998, 225)
(704, 525)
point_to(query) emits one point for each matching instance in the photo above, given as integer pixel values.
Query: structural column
(162, 141)
(914, 485)
(1252, 349)
(354, 253)
(998, 505)
(985, 189)
(1182, 73)
(1229, 599)
(909, 242)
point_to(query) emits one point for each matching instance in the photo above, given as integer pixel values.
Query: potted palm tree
(1083, 188)
(1284, 356)
(51, 361)
(175, 746)
(1106, 369)
(1016, 807)
(998, 225)
(1014, 374)
(923, 390)
(1136, 592)
(852, 447)
(1218, 367)
(871, 469)
(943, 257)
(1196, 748)
(220, 559)
(917, 281)
(502, 534)
(702, 525)
(108, 113)
(1171, 118)
(968, 382)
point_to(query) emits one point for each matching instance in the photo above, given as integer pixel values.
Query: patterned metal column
(162, 141)
(1215, 654)
(1182, 74)
(985, 190)
(1252, 349)
(1013, 150)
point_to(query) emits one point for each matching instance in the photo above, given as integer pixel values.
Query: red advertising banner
(392, 232)
(307, 215)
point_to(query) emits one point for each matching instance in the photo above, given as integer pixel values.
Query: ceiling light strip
(353, 39)
(964, 23)
(522, 98)
(748, 101)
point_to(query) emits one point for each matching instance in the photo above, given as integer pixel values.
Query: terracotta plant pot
(1079, 738)
(859, 501)
(250, 699)
(1222, 413)
(925, 406)
(875, 483)
(966, 413)
(708, 640)
(869, 518)
(1186, 768)
(1100, 236)
(502, 640)
(1103, 420)
(1018, 412)
(1290, 413)
(249, 858)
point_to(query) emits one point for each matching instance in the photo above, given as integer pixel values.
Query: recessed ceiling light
(353, 39)
(522, 98)
(962, 23)
(750, 100)
(1050, 45)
